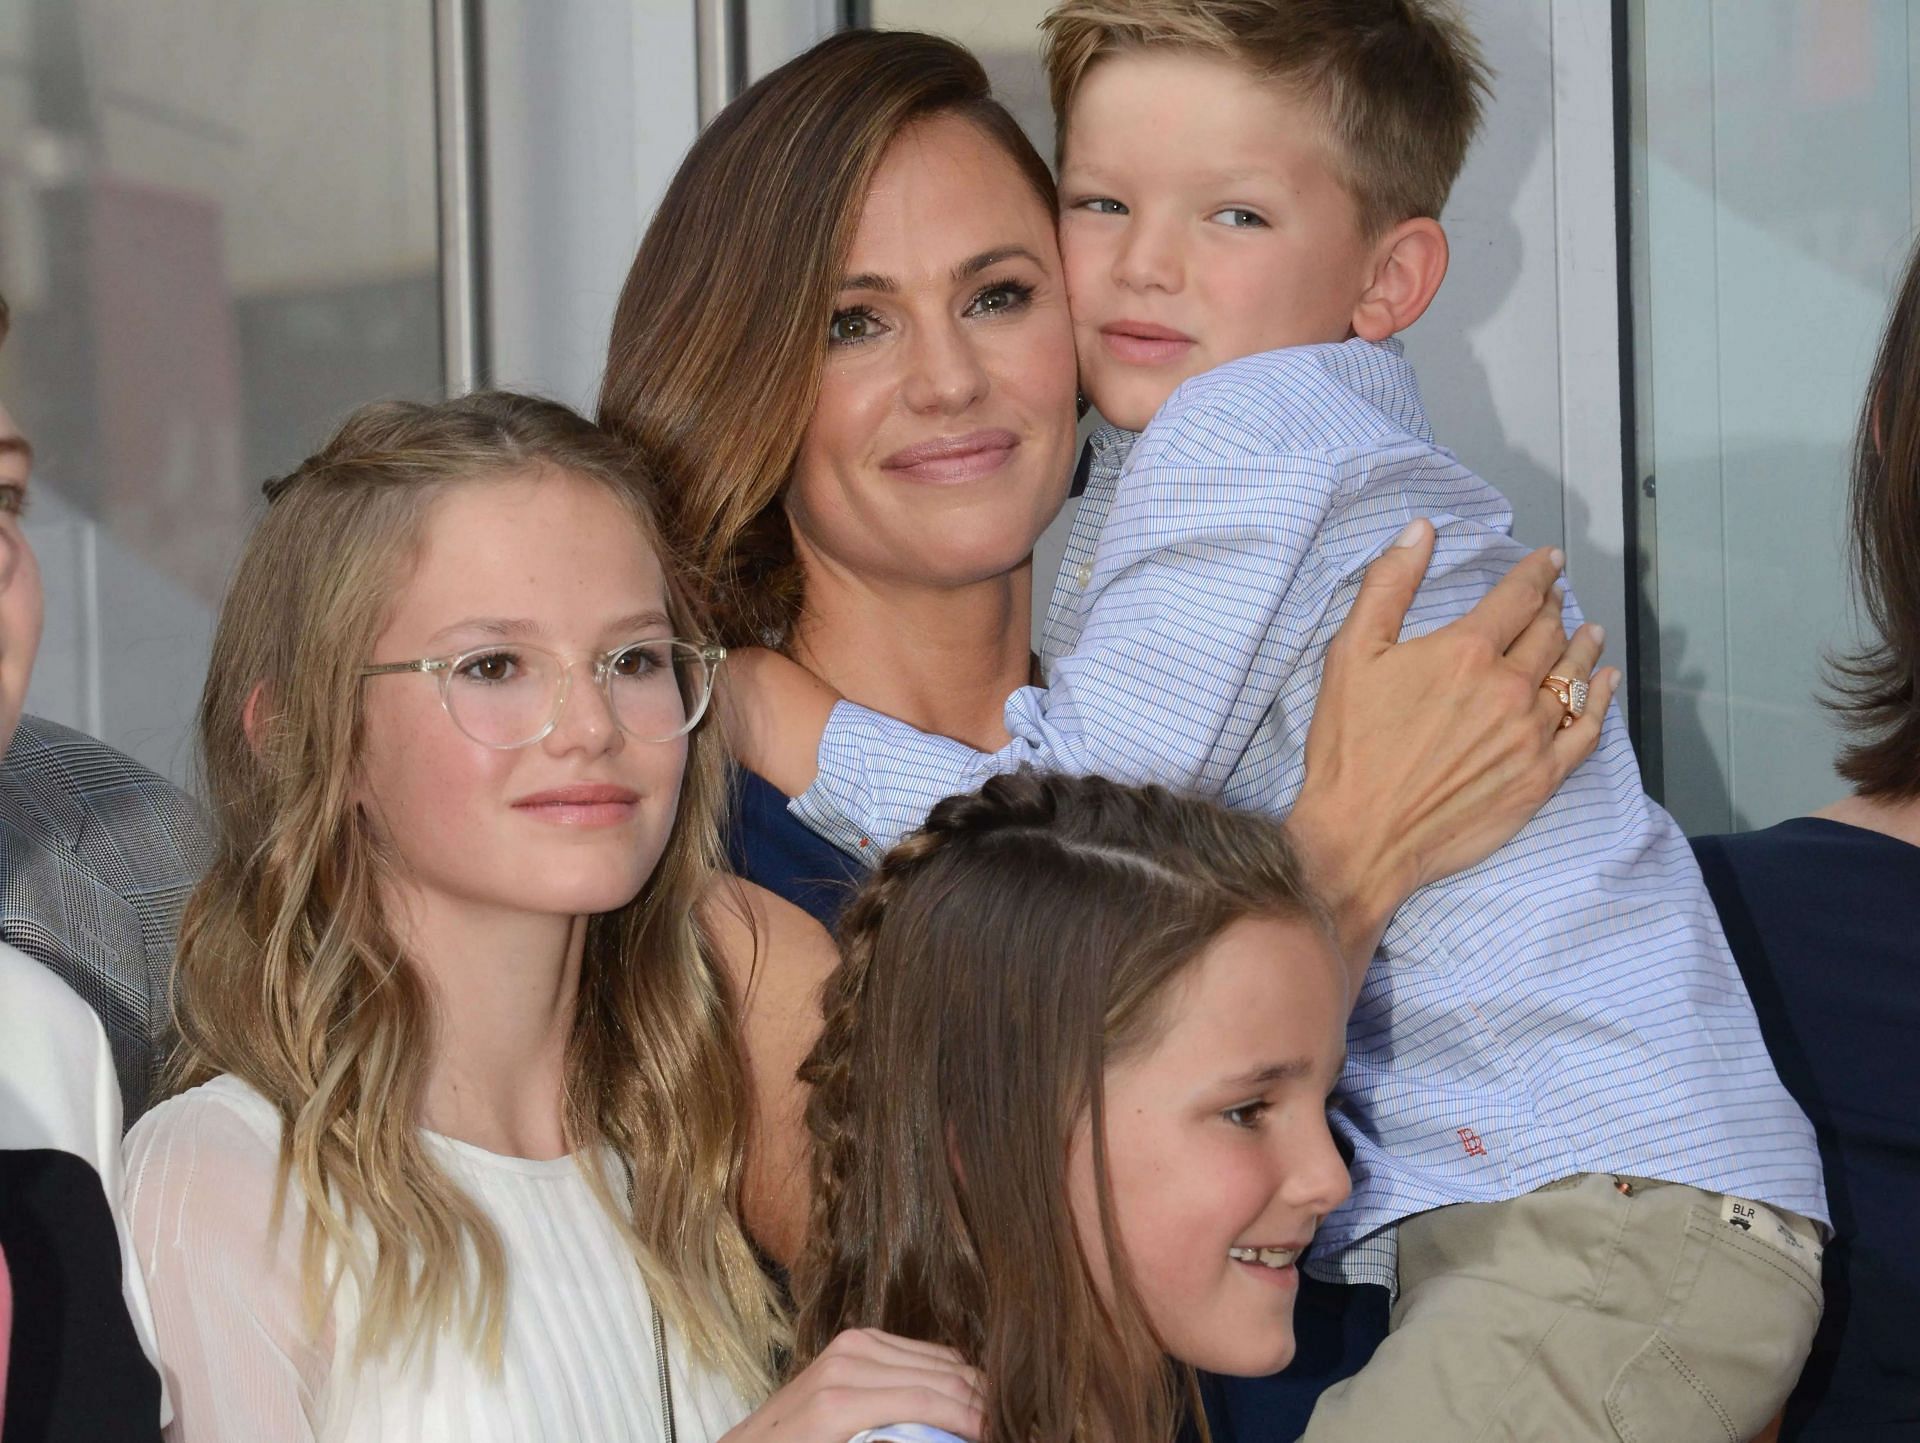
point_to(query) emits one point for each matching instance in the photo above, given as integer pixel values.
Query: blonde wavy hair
(290, 976)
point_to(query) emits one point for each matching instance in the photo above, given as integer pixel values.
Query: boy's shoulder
(1340, 397)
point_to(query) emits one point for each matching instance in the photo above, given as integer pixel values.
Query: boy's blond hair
(1397, 84)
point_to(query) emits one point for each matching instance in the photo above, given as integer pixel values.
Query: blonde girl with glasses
(459, 1147)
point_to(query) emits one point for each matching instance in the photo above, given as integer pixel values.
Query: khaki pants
(1594, 1308)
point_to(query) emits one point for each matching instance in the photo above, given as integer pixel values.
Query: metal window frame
(720, 54)
(460, 138)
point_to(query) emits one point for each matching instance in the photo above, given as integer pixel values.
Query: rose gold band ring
(1571, 693)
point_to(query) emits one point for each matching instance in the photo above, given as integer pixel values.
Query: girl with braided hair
(1069, 1104)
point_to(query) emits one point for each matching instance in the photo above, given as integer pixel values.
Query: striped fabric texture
(1567, 1006)
(97, 856)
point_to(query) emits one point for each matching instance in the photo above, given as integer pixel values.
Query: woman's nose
(945, 374)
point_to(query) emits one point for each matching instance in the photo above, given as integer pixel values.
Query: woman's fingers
(883, 1343)
(1537, 648)
(1387, 588)
(1515, 603)
(1572, 745)
(866, 1379)
(873, 1353)
(1576, 661)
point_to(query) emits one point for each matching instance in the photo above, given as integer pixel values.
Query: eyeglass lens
(509, 696)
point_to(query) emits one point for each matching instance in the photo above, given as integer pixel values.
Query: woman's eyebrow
(971, 266)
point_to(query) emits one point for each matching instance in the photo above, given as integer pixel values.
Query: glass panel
(218, 234)
(1005, 34)
(1773, 157)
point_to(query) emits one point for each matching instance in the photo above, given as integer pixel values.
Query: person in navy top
(1823, 913)
(910, 590)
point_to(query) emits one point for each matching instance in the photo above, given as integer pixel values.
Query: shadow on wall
(1499, 299)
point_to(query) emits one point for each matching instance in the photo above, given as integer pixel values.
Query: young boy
(1559, 1103)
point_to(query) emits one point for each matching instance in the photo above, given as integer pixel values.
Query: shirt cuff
(839, 794)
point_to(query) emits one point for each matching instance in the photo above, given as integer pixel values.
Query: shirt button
(1084, 575)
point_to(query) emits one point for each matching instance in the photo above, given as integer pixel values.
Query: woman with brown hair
(845, 339)
(1823, 913)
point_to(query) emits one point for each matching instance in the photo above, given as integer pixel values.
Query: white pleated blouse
(241, 1367)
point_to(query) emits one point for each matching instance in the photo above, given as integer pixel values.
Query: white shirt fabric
(58, 1091)
(578, 1363)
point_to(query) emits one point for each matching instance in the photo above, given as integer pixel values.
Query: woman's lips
(1141, 343)
(587, 805)
(946, 459)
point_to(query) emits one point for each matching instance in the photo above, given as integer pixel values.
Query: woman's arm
(777, 958)
(238, 1360)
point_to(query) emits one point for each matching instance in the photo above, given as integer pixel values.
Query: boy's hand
(775, 712)
(1427, 756)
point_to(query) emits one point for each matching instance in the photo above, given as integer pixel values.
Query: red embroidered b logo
(1470, 1140)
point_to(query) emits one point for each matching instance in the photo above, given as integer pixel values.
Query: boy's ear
(1409, 262)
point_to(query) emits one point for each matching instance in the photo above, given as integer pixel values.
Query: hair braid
(994, 965)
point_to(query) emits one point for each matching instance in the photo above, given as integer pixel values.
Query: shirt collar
(1377, 371)
(1380, 374)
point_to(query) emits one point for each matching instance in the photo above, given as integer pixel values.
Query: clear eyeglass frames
(511, 694)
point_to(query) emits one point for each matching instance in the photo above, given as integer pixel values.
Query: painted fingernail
(1599, 633)
(1558, 558)
(1407, 537)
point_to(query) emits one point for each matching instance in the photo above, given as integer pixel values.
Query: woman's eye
(1103, 205)
(1007, 296)
(1247, 1114)
(492, 666)
(13, 501)
(1238, 218)
(850, 327)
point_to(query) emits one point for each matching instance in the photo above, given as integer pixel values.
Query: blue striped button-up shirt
(1569, 1005)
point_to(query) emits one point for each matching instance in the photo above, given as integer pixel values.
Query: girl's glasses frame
(704, 655)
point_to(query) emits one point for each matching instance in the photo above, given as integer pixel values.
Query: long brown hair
(1875, 687)
(290, 975)
(992, 968)
(719, 341)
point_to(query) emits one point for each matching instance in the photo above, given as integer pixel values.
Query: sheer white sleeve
(224, 1284)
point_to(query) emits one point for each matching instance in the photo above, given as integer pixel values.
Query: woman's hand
(867, 1379)
(1426, 756)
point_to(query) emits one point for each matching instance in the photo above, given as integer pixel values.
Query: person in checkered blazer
(97, 856)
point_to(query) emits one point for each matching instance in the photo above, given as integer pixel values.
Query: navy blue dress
(1337, 1327)
(1824, 920)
